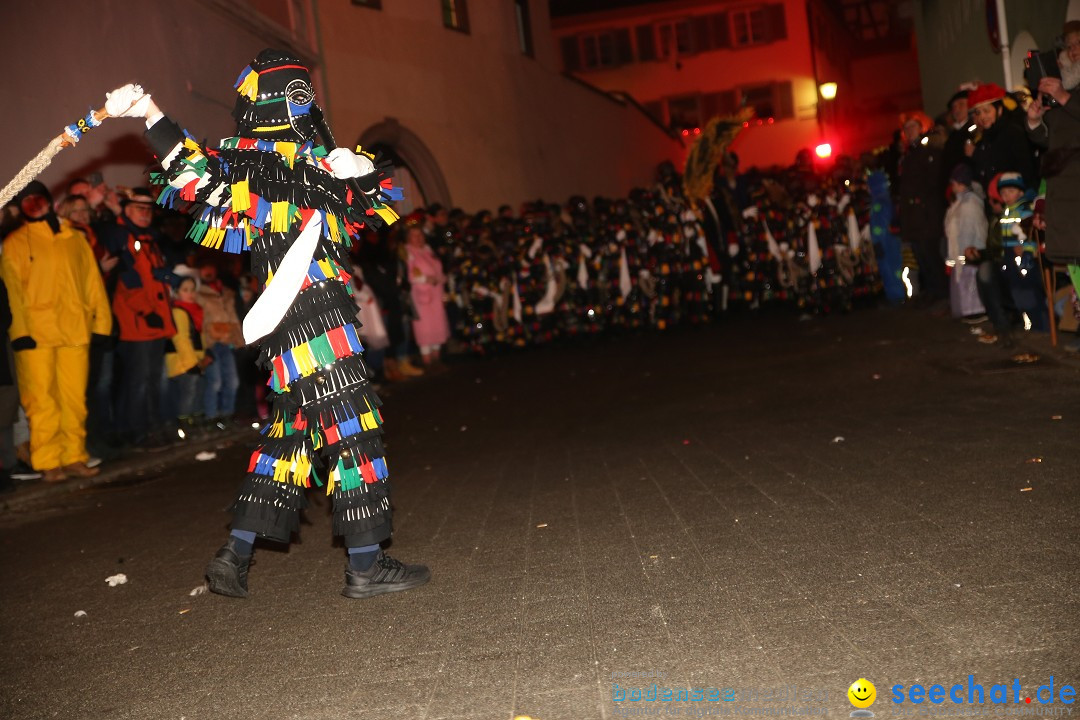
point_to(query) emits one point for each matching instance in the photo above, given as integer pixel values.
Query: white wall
(503, 127)
(63, 57)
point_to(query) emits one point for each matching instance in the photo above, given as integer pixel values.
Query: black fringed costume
(259, 192)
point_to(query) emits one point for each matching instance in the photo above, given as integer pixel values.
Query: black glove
(100, 341)
(154, 320)
(23, 343)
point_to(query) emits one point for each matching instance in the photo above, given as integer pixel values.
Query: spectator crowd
(125, 335)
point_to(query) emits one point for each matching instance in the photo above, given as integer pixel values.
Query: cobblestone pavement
(761, 504)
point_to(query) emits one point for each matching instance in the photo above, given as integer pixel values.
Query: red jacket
(141, 291)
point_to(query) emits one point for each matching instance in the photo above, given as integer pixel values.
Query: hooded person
(58, 306)
(271, 191)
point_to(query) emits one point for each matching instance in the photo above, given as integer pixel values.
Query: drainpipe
(1003, 33)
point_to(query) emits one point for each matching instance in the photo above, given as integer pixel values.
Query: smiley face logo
(862, 693)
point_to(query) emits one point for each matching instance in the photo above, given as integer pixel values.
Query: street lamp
(827, 90)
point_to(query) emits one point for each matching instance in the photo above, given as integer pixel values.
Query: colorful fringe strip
(315, 354)
(342, 422)
(348, 474)
(295, 469)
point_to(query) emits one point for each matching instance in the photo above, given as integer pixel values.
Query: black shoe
(228, 571)
(385, 575)
(22, 471)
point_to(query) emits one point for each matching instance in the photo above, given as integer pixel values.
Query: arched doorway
(417, 172)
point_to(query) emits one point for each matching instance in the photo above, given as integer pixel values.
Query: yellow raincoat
(58, 299)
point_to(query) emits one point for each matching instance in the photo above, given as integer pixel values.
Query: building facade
(467, 96)
(689, 60)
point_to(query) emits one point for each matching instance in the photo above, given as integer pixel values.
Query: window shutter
(463, 15)
(721, 30)
(776, 24)
(701, 31)
(646, 43)
(624, 53)
(571, 58)
(785, 103)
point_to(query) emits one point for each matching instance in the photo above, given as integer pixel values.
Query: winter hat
(275, 99)
(958, 95)
(34, 187)
(962, 174)
(985, 93)
(182, 272)
(139, 195)
(1011, 179)
(925, 123)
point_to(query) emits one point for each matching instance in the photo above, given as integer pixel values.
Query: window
(718, 104)
(711, 32)
(646, 43)
(606, 49)
(755, 26)
(769, 101)
(761, 99)
(674, 39)
(373, 4)
(524, 26)
(455, 15)
(748, 27)
(685, 112)
(690, 111)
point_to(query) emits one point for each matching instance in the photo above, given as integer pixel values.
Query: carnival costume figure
(273, 192)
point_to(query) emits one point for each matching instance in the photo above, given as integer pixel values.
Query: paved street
(758, 504)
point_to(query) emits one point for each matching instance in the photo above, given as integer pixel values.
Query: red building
(686, 61)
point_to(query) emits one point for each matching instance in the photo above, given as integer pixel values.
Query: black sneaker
(385, 575)
(228, 571)
(22, 471)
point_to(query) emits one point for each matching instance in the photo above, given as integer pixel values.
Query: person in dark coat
(1057, 130)
(956, 123)
(1002, 145)
(922, 204)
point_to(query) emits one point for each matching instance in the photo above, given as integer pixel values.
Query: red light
(770, 121)
(685, 133)
(823, 150)
(697, 131)
(746, 124)
(759, 121)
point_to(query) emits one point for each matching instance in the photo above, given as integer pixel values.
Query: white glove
(345, 164)
(127, 101)
(733, 250)
(750, 213)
